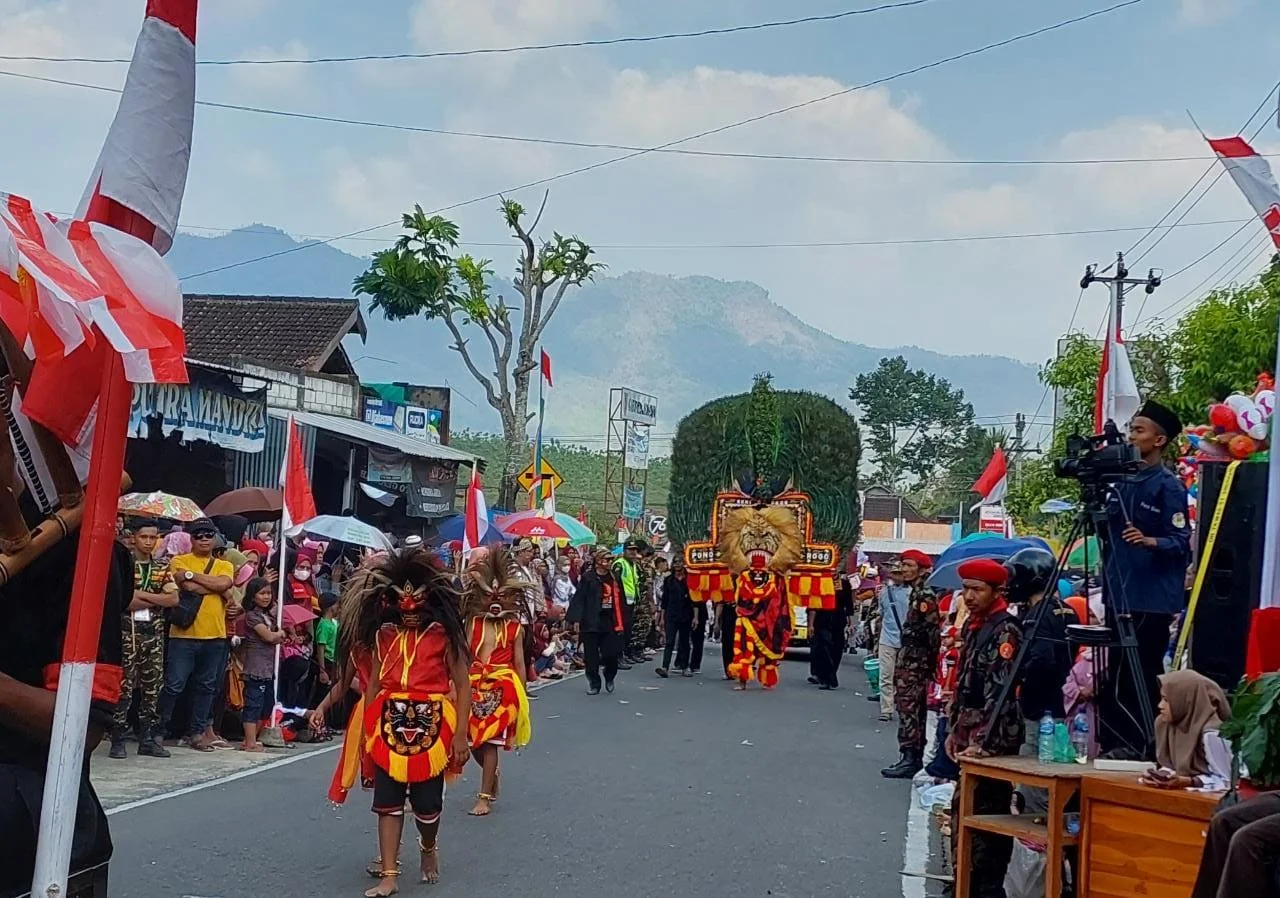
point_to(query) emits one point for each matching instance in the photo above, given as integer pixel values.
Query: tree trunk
(516, 437)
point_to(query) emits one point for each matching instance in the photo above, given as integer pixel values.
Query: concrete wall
(325, 394)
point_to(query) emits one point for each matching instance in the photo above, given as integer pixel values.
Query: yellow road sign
(525, 478)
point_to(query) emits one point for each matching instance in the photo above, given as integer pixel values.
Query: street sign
(525, 479)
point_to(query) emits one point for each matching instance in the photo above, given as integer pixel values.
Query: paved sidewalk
(136, 779)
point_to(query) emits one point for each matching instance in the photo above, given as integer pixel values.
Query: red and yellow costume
(499, 704)
(409, 724)
(763, 626)
(353, 761)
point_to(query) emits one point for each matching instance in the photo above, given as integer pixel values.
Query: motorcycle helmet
(1030, 573)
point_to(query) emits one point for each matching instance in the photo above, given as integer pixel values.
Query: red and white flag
(994, 482)
(1116, 398)
(299, 506)
(136, 189)
(1252, 174)
(476, 515)
(546, 368)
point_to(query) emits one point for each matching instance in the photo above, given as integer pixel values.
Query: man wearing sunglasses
(198, 654)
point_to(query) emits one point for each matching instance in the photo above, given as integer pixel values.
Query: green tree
(950, 491)
(423, 275)
(911, 418)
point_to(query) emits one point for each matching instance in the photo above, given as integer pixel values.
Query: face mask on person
(245, 574)
(302, 574)
(564, 568)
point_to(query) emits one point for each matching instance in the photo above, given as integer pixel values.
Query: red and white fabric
(299, 506)
(1116, 398)
(1252, 174)
(993, 485)
(475, 516)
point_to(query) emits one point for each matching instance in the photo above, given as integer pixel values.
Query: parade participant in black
(677, 619)
(726, 621)
(1145, 563)
(697, 636)
(827, 636)
(917, 663)
(990, 645)
(596, 612)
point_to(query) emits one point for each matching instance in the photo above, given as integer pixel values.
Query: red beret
(918, 557)
(984, 569)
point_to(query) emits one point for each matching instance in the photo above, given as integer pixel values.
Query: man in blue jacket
(1148, 545)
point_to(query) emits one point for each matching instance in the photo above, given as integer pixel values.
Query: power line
(1251, 242)
(723, 128)
(520, 48)
(1201, 258)
(818, 244)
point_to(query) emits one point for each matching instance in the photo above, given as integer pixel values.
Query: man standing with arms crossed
(142, 644)
(917, 663)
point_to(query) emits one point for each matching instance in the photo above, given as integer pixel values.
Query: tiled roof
(879, 504)
(292, 332)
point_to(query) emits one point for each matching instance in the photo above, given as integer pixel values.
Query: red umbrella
(251, 502)
(293, 615)
(536, 527)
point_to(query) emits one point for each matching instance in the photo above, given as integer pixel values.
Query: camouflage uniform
(643, 612)
(986, 662)
(917, 663)
(142, 644)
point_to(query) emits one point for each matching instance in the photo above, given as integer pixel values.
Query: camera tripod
(1119, 635)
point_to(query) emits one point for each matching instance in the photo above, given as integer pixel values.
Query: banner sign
(636, 453)
(633, 502)
(423, 423)
(639, 408)
(208, 408)
(388, 466)
(433, 489)
(993, 519)
(382, 414)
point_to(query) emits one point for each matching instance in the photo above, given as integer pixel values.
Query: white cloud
(463, 24)
(1206, 12)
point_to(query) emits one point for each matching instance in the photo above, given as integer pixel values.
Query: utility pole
(1118, 284)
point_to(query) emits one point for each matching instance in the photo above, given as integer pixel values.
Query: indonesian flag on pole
(298, 506)
(136, 189)
(476, 514)
(546, 369)
(994, 482)
(1116, 398)
(1253, 176)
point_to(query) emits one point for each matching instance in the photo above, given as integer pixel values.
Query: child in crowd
(258, 658)
(327, 638)
(941, 766)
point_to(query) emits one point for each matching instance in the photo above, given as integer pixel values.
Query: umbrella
(946, 574)
(1079, 549)
(541, 528)
(347, 530)
(252, 503)
(576, 532)
(159, 505)
(450, 529)
(293, 615)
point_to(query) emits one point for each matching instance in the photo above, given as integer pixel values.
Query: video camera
(1100, 459)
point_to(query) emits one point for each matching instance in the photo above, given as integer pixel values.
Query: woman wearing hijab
(1189, 750)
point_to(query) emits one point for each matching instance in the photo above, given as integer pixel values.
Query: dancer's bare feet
(430, 862)
(386, 886)
(484, 804)
(739, 687)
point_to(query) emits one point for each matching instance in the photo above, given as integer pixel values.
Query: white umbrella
(347, 530)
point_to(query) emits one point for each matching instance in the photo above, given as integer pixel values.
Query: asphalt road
(688, 788)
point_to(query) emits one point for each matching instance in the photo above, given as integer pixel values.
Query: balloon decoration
(1239, 428)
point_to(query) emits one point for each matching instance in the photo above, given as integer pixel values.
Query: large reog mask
(761, 538)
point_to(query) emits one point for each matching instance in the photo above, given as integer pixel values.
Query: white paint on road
(915, 853)
(223, 780)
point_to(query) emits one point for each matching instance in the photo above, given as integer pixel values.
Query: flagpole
(277, 708)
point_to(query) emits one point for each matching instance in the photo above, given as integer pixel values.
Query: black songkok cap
(1164, 417)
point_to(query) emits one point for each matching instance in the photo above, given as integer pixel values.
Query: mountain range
(684, 340)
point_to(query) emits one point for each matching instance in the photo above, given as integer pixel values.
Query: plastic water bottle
(1044, 744)
(1080, 736)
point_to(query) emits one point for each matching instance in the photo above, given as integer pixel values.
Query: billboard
(639, 408)
(636, 453)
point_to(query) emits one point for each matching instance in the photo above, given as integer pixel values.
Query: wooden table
(1139, 840)
(1062, 782)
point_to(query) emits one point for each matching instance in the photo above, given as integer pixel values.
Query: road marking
(915, 854)
(274, 765)
(222, 780)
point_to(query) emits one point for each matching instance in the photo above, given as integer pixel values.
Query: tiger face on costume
(761, 538)
(411, 726)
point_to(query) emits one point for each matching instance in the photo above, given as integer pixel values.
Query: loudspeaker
(1233, 582)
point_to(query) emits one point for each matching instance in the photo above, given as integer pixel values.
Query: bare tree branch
(546, 195)
(460, 347)
(555, 304)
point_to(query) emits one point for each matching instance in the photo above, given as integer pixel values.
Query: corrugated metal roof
(367, 433)
(897, 546)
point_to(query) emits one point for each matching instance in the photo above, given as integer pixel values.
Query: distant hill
(684, 340)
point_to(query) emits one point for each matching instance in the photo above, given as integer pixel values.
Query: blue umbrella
(451, 528)
(945, 573)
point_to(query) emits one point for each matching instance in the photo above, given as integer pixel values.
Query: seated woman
(1189, 750)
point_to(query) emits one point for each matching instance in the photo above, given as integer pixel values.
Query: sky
(1116, 86)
